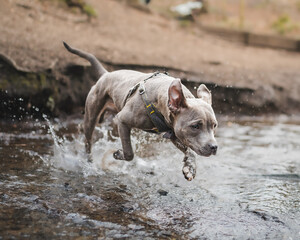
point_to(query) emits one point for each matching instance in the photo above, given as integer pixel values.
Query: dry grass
(76, 6)
(260, 16)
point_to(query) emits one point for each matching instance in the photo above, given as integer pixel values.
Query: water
(250, 190)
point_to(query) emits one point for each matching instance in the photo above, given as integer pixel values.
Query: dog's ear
(204, 94)
(176, 99)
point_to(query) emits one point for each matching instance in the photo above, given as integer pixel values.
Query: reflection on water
(250, 190)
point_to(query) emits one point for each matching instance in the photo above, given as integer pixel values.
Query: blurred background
(247, 52)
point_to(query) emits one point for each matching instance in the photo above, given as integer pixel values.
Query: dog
(155, 103)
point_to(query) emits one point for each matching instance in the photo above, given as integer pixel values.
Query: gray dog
(154, 103)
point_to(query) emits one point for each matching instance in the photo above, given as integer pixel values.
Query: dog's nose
(213, 148)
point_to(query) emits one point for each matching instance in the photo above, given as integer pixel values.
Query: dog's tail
(96, 65)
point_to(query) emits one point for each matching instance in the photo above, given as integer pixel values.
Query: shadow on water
(250, 190)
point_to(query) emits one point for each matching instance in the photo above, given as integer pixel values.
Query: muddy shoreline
(61, 93)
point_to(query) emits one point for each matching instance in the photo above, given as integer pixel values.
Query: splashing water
(250, 190)
(69, 154)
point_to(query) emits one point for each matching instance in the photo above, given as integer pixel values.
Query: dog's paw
(189, 172)
(119, 155)
(89, 158)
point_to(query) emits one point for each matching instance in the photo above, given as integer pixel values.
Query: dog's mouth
(203, 151)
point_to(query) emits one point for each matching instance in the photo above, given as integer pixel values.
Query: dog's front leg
(126, 153)
(189, 166)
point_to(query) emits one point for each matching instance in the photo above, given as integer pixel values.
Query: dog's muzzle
(213, 148)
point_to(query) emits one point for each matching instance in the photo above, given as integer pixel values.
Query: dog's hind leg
(93, 106)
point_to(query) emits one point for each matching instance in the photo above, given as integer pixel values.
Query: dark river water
(249, 190)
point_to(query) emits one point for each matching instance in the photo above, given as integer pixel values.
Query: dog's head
(194, 120)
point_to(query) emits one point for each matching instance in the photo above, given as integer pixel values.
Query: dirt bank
(244, 79)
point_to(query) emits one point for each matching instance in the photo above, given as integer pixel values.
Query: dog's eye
(214, 125)
(196, 126)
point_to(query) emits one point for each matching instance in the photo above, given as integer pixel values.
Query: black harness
(156, 117)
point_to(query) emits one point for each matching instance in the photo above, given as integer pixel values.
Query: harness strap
(156, 117)
(135, 87)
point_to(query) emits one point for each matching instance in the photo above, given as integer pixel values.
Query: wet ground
(250, 190)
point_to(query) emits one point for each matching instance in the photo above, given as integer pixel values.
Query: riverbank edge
(60, 92)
